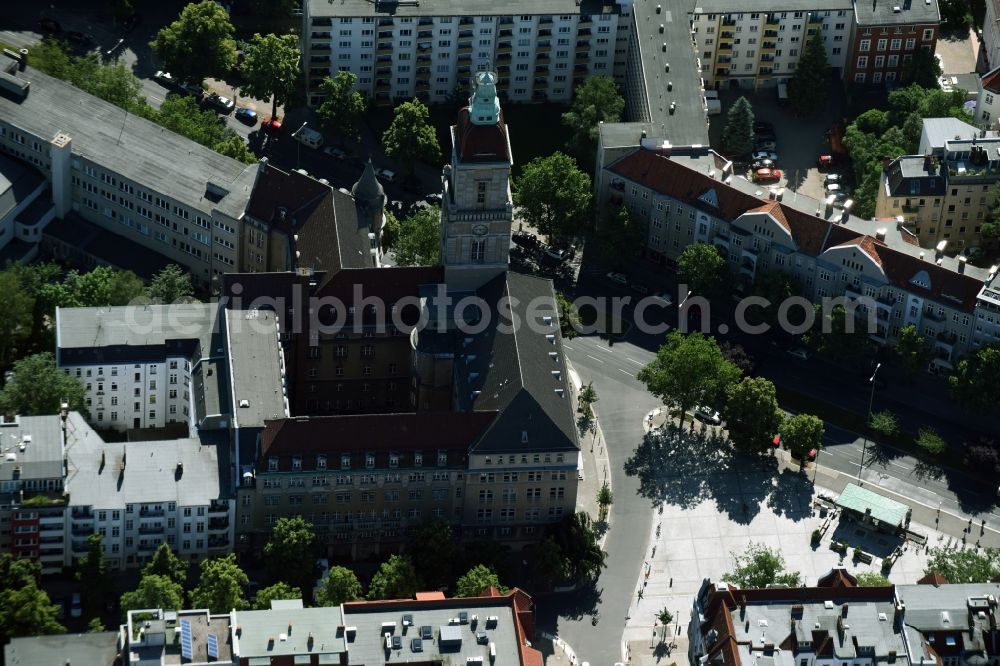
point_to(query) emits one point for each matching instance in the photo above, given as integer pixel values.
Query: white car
(663, 298)
(334, 152)
(708, 415)
(833, 178)
(164, 78)
(387, 175)
(764, 155)
(617, 277)
(833, 188)
(799, 352)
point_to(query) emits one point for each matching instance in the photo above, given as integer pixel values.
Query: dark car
(525, 239)
(761, 127)
(219, 103)
(434, 198)
(639, 287)
(763, 164)
(49, 26)
(246, 116)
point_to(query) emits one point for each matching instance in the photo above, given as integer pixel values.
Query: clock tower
(477, 210)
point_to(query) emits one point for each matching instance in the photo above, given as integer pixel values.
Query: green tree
(390, 231)
(960, 565)
(418, 240)
(25, 609)
(278, 591)
(914, 350)
(605, 498)
(687, 371)
(220, 585)
(39, 388)
(759, 566)
(587, 398)
(270, 68)
(198, 45)
(807, 89)
(171, 285)
(737, 136)
(232, 145)
(32, 278)
(872, 579)
(983, 457)
(931, 442)
(411, 137)
(777, 287)
(923, 69)
(549, 565)
(340, 585)
(476, 580)
(165, 563)
(838, 335)
(802, 433)
(752, 414)
(595, 101)
(569, 317)
(95, 626)
(154, 591)
(16, 326)
(92, 574)
(342, 106)
(99, 287)
(290, 553)
(665, 616)
(620, 239)
(955, 15)
(395, 579)
(884, 423)
(974, 379)
(737, 355)
(577, 540)
(434, 541)
(554, 196)
(703, 269)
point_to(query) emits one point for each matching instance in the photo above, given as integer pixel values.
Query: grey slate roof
(908, 177)
(883, 12)
(135, 333)
(367, 188)
(256, 367)
(17, 181)
(42, 455)
(937, 131)
(150, 470)
(140, 150)
(100, 649)
(517, 376)
(316, 631)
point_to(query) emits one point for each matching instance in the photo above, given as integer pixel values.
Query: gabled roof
(837, 577)
(933, 578)
(480, 143)
(866, 244)
(773, 208)
(991, 80)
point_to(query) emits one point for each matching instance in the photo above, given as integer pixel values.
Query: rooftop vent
(896, 9)
(244, 403)
(828, 605)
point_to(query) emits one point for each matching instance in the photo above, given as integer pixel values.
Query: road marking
(595, 358)
(566, 346)
(626, 372)
(607, 349)
(634, 361)
(826, 452)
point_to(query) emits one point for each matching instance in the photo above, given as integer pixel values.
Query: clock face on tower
(480, 229)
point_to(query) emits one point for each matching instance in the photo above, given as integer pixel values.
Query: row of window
(369, 461)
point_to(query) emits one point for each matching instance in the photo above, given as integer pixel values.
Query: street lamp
(871, 398)
(298, 146)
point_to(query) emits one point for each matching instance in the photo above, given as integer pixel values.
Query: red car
(767, 175)
(271, 125)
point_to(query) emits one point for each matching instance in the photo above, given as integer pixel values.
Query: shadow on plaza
(572, 605)
(687, 468)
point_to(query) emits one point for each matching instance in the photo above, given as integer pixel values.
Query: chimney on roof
(886, 161)
(928, 163)
(843, 610)
(263, 164)
(880, 234)
(961, 263)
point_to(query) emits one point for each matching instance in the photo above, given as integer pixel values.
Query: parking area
(800, 141)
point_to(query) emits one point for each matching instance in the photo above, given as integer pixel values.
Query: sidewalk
(595, 471)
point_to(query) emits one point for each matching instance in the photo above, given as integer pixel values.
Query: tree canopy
(270, 68)
(872, 579)
(759, 566)
(278, 591)
(577, 541)
(18, 321)
(434, 541)
(39, 388)
(25, 609)
(340, 585)
(931, 442)
(974, 379)
(752, 414)
(807, 89)
(802, 433)
(964, 565)
(476, 580)
(914, 349)
(171, 285)
(620, 239)
(166, 563)
(554, 196)
(199, 44)
(417, 239)
(154, 591)
(220, 585)
(596, 100)
(395, 579)
(688, 370)
(290, 553)
(92, 574)
(838, 335)
(342, 105)
(703, 269)
(410, 137)
(738, 135)
(923, 69)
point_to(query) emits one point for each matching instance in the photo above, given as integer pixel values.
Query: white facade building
(430, 50)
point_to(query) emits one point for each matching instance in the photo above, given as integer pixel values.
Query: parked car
(799, 352)
(165, 79)
(617, 277)
(388, 175)
(763, 164)
(271, 125)
(833, 188)
(833, 178)
(766, 144)
(558, 254)
(75, 608)
(824, 161)
(762, 127)
(639, 287)
(707, 415)
(337, 153)
(246, 116)
(767, 175)
(526, 239)
(663, 298)
(221, 104)
(765, 155)
(435, 199)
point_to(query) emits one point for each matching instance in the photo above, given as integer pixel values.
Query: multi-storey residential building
(688, 195)
(987, 115)
(129, 175)
(137, 495)
(885, 36)
(758, 48)
(990, 49)
(32, 478)
(429, 50)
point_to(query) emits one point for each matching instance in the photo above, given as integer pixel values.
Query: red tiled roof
(430, 596)
(389, 284)
(774, 209)
(991, 80)
(837, 578)
(933, 578)
(868, 244)
(481, 143)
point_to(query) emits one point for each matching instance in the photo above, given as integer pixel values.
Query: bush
(816, 536)
(857, 552)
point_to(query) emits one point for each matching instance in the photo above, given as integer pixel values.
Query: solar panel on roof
(213, 646)
(187, 650)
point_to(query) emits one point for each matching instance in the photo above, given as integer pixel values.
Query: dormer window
(345, 461)
(272, 464)
(393, 460)
(296, 462)
(442, 458)
(320, 462)
(418, 458)
(370, 460)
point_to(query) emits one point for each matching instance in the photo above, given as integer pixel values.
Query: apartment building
(128, 175)
(759, 48)
(24, 211)
(32, 481)
(991, 36)
(430, 50)
(885, 35)
(687, 195)
(987, 114)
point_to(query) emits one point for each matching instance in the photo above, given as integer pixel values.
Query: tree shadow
(924, 470)
(791, 495)
(573, 605)
(857, 535)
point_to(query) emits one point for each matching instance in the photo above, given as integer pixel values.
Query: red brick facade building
(886, 35)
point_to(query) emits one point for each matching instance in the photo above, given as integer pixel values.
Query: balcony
(81, 531)
(768, 47)
(583, 32)
(503, 69)
(383, 99)
(504, 47)
(384, 49)
(466, 20)
(579, 80)
(545, 20)
(540, 84)
(465, 34)
(218, 507)
(423, 75)
(423, 47)
(581, 69)
(503, 57)
(385, 34)
(934, 316)
(464, 58)
(505, 33)
(815, 17)
(585, 20)
(725, 47)
(319, 47)
(320, 35)
(582, 49)
(426, 20)
(946, 340)
(542, 58)
(543, 47)
(765, 72)
(382, 84)
(425, 34)
(467, 48)
(423, 86)
(721, 72)
(772, 19)
(544, 33)
(82, 514)
(146, 512)
(767, 58)
(151, 529)
(724, 60)
(503, 82)
(583, 57)
(216, 524)
(506, 20)
(541, 69)
(727, 35)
